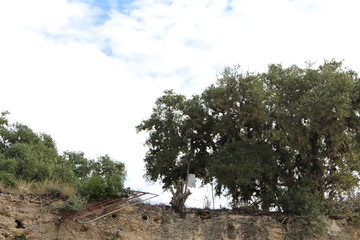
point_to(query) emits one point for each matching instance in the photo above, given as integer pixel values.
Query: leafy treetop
(286, 138)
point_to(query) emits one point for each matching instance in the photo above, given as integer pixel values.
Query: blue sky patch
(107, 51)
(105, 8)
(229, 6)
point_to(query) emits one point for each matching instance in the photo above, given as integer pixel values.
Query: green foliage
(78, 163)
(352, 209)
(73, 203)
(93, 188)
(178, 126)
(300, 201)
(8, 179)
(63, 173)
(245, 169)
(287, 138)
(26, 156)
(106, 180)
(308, 227)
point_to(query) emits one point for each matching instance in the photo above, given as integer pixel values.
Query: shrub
(7, 179)
(93, 188)
(106, 180)
(30, 163)
(308, 228)
(74, 203)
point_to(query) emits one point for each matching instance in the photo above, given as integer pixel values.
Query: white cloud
(88, 80)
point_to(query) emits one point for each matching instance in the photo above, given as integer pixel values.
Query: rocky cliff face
(28, 217)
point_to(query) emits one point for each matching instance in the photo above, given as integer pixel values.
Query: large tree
(284, 138)
(315, 125)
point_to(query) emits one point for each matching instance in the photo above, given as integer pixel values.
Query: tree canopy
(285, 138)
(33, 157)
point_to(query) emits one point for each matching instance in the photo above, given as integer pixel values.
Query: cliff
(28, 217)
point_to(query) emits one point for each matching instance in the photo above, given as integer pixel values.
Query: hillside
(27, 217)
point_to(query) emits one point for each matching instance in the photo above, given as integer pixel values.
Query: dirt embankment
(28, 216)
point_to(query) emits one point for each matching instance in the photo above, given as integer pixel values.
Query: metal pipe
(141, 200)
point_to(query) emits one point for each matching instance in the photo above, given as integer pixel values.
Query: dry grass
(3, 188)
(47, 187)
(53, 188)
(22, 187)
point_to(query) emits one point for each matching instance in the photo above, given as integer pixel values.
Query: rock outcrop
(28, 217)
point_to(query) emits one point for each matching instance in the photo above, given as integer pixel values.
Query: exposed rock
(29, 216)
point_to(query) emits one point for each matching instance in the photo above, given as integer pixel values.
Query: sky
(88, 71)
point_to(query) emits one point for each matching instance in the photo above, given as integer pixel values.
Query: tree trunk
(179, 198)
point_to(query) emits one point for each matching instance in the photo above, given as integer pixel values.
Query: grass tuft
(52, 188)
(48, 187)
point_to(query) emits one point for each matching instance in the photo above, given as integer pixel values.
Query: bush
(106, 180)
(300, 201)
(30, 163)
(7, 179)
(98, 188)
(93, 188)
(114, 185)
(63, 174)
(308, 228)
(74, 203)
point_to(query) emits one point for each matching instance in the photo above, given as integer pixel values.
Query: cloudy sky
(88, 71)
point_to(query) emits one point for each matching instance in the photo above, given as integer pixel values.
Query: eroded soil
(29, 216)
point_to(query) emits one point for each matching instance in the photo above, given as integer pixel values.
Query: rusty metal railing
(96, 210)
